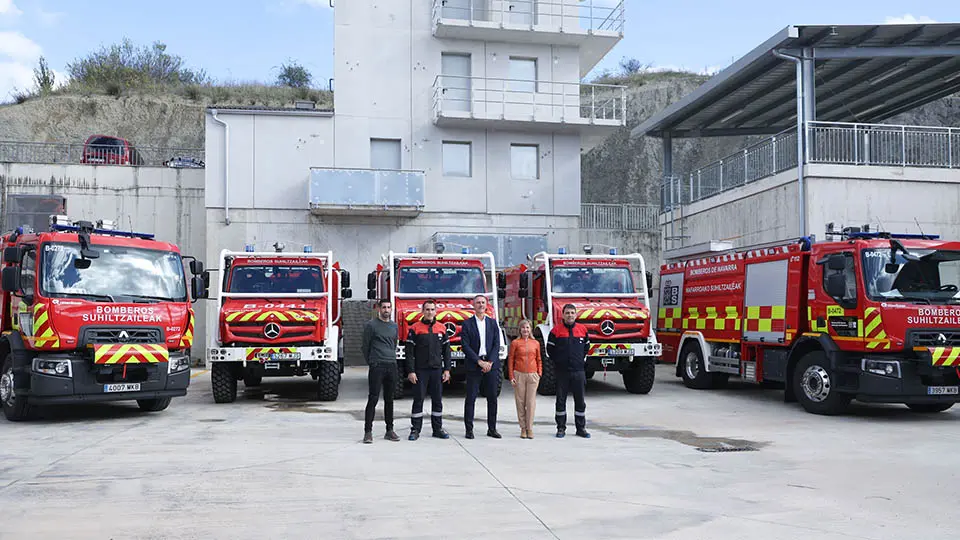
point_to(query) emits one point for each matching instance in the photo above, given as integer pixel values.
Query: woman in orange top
(524, 368)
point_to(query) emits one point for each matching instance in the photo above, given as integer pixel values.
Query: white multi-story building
(454, 120)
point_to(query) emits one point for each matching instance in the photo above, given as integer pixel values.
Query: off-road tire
(224, 383)
(693, 370)
(252, 380)
(929, 408)
(15, 408)
(400, 389)
(639, 377)
(328, 381)
(548, 381)
(153, 405)
(813, 371)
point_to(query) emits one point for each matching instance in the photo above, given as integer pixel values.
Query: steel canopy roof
(864, 73)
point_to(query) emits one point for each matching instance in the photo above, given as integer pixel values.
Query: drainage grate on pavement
(727, 449)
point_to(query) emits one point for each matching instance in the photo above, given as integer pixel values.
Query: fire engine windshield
(273, 279)
(924, 275)
(119, 274)
(435, 280)
(612, 280)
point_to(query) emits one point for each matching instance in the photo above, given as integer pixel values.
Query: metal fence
(624, 217)
(596, 15)
(70, 153)
(827, 142)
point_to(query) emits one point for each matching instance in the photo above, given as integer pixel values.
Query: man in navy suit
(480, 339)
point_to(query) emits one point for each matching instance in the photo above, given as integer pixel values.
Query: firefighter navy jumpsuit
(567, 347)
(427, 355)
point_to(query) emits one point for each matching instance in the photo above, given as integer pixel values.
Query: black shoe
(469, 434)
(414, 435)
(583, 433)
(441, 434)
(493, 433)
(561, 434)
(367, 437)
(391, 436)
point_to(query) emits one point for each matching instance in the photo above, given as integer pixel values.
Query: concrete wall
(166, 202)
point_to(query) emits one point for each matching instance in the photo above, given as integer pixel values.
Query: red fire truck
(279, 317)
(871, 316)
(452, 280)
(609, 303)
(91, 313)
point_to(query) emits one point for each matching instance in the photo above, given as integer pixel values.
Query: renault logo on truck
(271, 331)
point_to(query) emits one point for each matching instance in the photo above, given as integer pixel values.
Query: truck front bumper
(87, 382)
(265, 354)
(918, 382)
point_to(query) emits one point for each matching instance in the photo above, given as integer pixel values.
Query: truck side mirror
(198, 289)
(346, 294)
(523, 293)
(344, 279)
(371, 281)
(10, 278)
(524, 280)
(371, 294)
(501, 293)
(649, 281)
(837, 285)
(206, 278)
(12, 255)
(891, 268)
(501, 280)
(196, 267)
(837, 262)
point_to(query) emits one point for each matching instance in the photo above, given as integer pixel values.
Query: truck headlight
(59, 368)
(887, 368)
(25, 319)
(177, 364)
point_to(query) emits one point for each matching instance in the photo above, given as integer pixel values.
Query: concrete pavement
(278, 464)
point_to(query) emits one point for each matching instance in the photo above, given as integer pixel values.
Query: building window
(385, 154)
(523, 75)
(457, 157)
(33, 210)
(525, 161)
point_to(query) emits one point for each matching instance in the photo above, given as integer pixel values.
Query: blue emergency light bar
(248, 248)
(109, 232)
(562, 251)
(899, 236)
(613, 251)
(411, 250)
(308, 249)
(465, 250)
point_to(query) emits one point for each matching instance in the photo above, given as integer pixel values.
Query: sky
(247, 40)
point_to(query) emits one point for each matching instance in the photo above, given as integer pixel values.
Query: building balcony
(366, 192)
(526, 105)
(593, 26)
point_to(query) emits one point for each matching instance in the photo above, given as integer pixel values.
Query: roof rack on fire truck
(392, 260)
(544, 258)
(61, 223)
(863, 232)
(716, 250)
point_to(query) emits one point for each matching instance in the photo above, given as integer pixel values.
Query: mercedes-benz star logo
(451, 329)
(941, 339)
(607, 327)
(123, 336)
(271, 331)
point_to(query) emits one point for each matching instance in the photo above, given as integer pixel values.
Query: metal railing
(528, 99)
(828, 143)
(594, 15)
(623, 217)
(71, 153)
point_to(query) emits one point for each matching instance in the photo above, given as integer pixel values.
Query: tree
(631, 66)
(294, 75)
(128, 65)
(44, 77)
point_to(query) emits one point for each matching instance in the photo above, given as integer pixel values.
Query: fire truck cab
(870, 316)
(279, 316)
(93, 314)
(453, 280)
(614, 308)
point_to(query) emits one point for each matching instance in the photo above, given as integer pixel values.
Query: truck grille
(936, 339)
(121, 335)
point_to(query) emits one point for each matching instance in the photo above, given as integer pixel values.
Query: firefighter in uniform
(567, 347)
(427, 365)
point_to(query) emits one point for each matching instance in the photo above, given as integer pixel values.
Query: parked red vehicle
(109, 150)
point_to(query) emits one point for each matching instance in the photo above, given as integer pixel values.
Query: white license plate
(279, 357)
(942, 390)
(619, 352)
(123, 387)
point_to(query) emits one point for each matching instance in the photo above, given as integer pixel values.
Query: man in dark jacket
(380, 352)
(567, 348)
(480, 339)
(427, 363)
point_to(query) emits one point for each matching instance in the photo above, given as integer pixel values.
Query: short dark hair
(383, 301)
(569, 306)
(480, 296)
(428, 301)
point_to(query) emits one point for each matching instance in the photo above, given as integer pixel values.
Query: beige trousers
(526, 395)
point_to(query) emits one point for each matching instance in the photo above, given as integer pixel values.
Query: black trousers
(574, 382)
(428, 381)
(381, 377)
(489, 381)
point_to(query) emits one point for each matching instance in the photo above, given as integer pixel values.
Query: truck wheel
(929, 407)
(548, 382)
(15, 406)
(814, 386)
(638, 379)
(251, 380)
(328, 382)
(692, 368)
(224, 383)
(153, 405)
(401, 387)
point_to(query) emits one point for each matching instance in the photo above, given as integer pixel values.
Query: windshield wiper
(146, 299)
(91, 296)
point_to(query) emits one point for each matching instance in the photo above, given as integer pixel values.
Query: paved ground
(274, 465)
